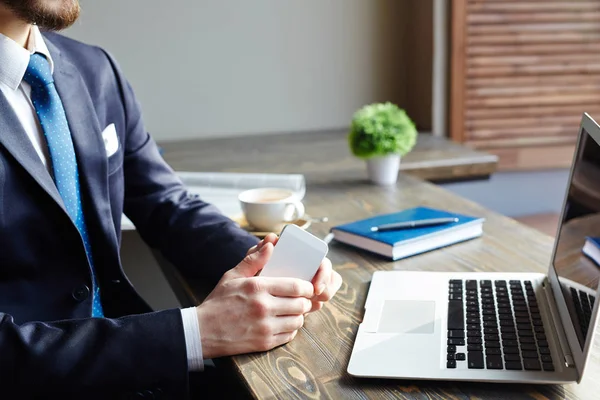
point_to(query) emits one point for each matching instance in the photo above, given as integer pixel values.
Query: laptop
(494, 327)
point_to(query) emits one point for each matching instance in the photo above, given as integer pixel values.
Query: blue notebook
(403, 243)
(591, 248)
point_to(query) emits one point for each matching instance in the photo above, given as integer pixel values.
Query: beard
(53, 15)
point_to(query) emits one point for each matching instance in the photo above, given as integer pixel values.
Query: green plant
(380, 129)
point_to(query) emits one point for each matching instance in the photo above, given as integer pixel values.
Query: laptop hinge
(558, 328)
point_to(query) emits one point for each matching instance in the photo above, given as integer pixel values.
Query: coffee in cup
(270, 209)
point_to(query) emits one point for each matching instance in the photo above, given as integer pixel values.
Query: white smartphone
(298, 254)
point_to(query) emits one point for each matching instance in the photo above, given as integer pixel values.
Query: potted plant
(381, 134)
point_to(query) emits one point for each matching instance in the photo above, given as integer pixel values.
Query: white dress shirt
(13, 64)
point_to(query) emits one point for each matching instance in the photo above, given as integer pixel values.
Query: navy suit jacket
(48, 341)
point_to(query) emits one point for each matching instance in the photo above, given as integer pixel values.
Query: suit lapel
(14, 138)
(87, 140)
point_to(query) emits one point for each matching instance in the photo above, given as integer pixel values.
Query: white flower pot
(384, 170)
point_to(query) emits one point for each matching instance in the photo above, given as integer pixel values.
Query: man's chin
(52, 15)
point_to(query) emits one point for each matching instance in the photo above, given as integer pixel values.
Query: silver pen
(419, 223)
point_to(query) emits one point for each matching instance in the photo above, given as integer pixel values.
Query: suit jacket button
(81, 293)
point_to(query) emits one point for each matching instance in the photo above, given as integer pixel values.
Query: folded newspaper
(222, 188)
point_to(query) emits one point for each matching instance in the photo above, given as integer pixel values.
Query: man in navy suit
(74, 155)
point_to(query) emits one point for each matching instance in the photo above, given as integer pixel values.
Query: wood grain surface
(313, 366)
(323, 155)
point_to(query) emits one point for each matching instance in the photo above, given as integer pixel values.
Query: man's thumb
(253, 263)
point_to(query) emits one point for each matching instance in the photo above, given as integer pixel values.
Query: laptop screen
(577, 256)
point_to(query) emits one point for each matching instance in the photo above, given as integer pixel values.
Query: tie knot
(38, 71)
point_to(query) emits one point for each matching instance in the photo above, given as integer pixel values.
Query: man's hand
(326, 284)
(247, 313)
(326, 281)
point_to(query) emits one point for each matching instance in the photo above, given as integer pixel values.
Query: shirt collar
(14, 58)
(36, 44)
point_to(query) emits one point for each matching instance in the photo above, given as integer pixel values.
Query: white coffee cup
(270, 209)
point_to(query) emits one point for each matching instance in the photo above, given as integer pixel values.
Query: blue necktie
(53, 120)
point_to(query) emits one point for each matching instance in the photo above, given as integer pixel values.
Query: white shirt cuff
(193, 344)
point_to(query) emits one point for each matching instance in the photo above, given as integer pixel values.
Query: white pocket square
(111, 141)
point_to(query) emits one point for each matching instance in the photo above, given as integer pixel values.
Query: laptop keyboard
(496, 325)
(584, 304)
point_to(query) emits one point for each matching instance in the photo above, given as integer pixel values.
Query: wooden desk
(314, 364)
(312, 153)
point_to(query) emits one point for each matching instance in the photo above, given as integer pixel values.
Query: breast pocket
(115, 162)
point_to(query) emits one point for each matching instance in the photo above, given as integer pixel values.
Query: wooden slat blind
(522, 73)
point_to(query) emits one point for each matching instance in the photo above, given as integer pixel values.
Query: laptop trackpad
(407, 316)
